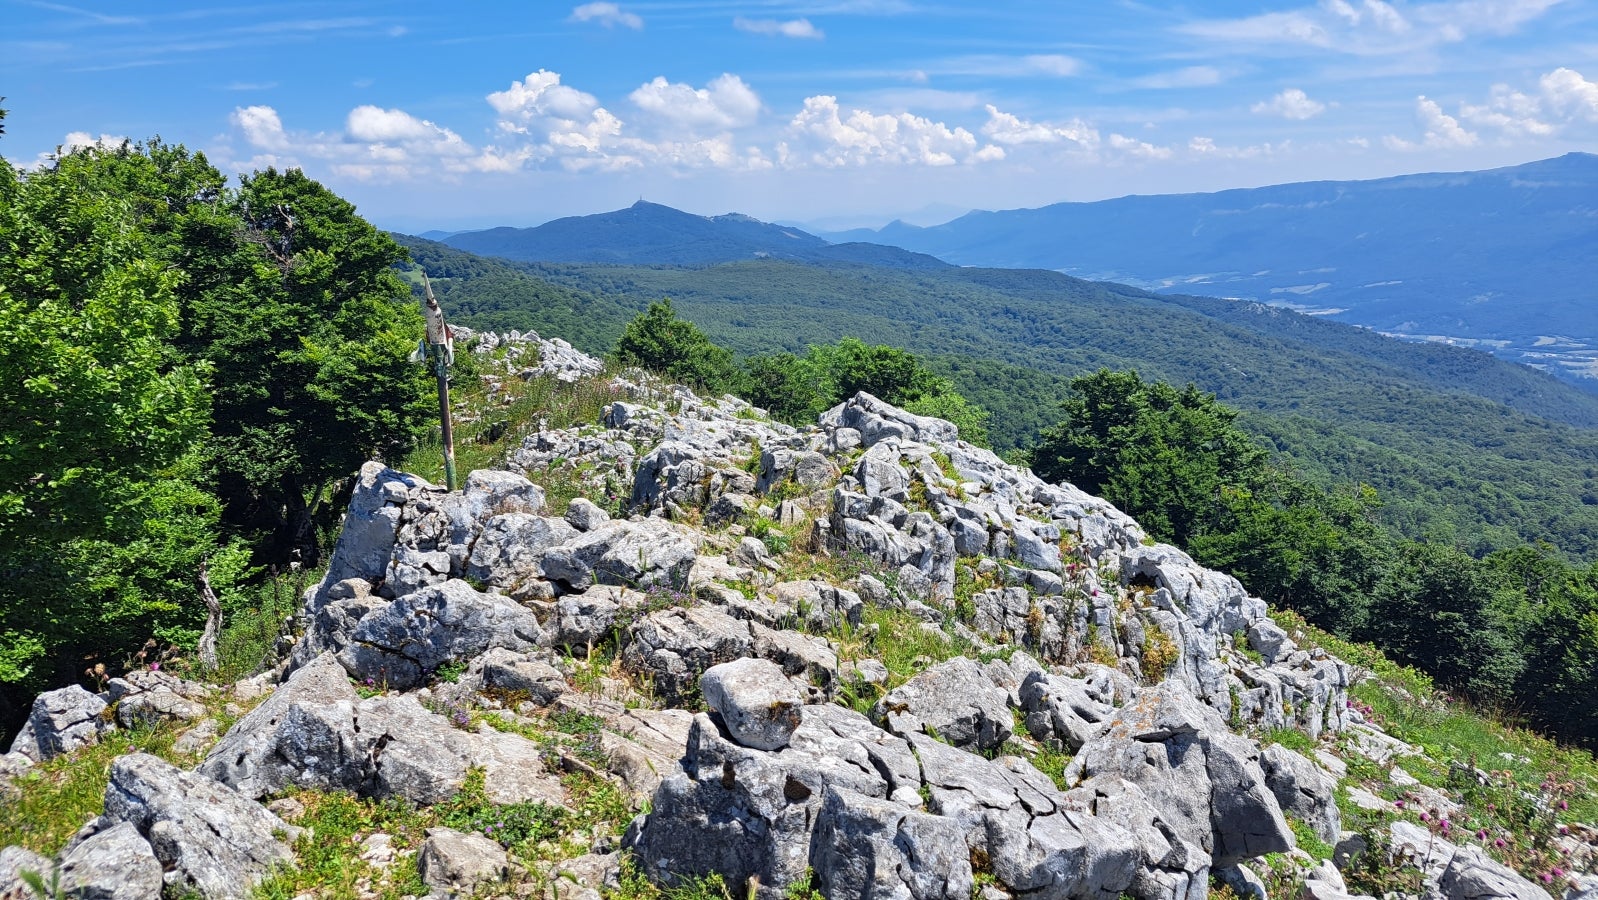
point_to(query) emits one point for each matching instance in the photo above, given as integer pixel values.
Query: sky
(831, 113)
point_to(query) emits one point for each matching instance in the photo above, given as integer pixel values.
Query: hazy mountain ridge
(1415, 255)
(650, 233)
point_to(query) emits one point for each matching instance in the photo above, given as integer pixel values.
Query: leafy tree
(1166, 456)
(288, 298)
(101, 420)
(659, 341)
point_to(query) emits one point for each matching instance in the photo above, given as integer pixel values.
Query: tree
(101, 420)
(1165, 456)
(659, 341)
(288, 299)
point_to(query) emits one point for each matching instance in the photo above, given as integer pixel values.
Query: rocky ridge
(731, 625)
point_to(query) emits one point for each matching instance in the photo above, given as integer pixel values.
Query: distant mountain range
(1505, 259)
(651, 234)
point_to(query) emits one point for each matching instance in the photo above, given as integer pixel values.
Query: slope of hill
(649, 233)
(1503, 259)
(1460, 445)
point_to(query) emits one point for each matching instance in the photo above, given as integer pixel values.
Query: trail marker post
(439, 346)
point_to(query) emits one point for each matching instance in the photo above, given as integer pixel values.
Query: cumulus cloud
(376, 145)
(1568, 94)
(1012, 130)
(1290, 104)
(1440, 131)
(607, 14)
(862, 137)
(726, 102)
(1561, 100)
(1137, 149)
(793, 28)
(545, 121)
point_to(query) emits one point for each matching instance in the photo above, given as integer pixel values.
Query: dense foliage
(184, 368)
(796, 389)
(1516, 629)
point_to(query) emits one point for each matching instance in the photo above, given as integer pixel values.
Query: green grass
(1533, 784)
(59, 795)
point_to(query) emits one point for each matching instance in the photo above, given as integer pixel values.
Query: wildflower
(1424, 816)
(1481, 834)
(1498, 842)
(155, 667)
(1558, 872)
(1548, 878)
(1398, 803)
(1564, 805)
(1564, 829)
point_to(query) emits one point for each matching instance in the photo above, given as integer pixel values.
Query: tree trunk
(213, 621)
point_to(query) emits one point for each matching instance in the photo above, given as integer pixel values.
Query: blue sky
(839, 113)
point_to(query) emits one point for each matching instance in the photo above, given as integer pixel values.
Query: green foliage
(1163, 455)
(510, 824)
(796, 389)
(659, 341)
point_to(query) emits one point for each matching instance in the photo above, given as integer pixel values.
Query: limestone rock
(144, 697)
(402, 643)
(113, 864)
(1304, 790)
(458, 864)
(60, 722)
(755, 700)
(954, 700)
(211, 839)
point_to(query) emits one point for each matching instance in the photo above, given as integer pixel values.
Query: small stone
(757, 703)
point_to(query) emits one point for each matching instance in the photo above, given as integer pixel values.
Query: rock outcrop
(1072, 722)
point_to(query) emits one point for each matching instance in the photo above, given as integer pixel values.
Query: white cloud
(1136, 148)
(1290, 104)
(1440, 130)
(607, 14)
(726, 102)
(1192, 76)
(793, 28)
(1562, 99)
(863, 138)
(1205, 147)
(1567, 93)
(1507, 111)
(1006, 128)
(376, 145)
(1374, 27)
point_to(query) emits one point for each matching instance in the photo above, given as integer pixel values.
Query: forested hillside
(1460, 446)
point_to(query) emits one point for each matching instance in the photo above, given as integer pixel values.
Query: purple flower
(155, 667)
(1398, 803)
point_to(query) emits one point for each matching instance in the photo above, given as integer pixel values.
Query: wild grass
(56, 797)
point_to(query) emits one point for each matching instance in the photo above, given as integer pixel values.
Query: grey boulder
(755, 700)
(211, 839)
(400, 644)
(112, 864)
(955, 701)
(458, 864)
(60, 722)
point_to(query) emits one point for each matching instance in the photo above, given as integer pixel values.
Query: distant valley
(1505, 259)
